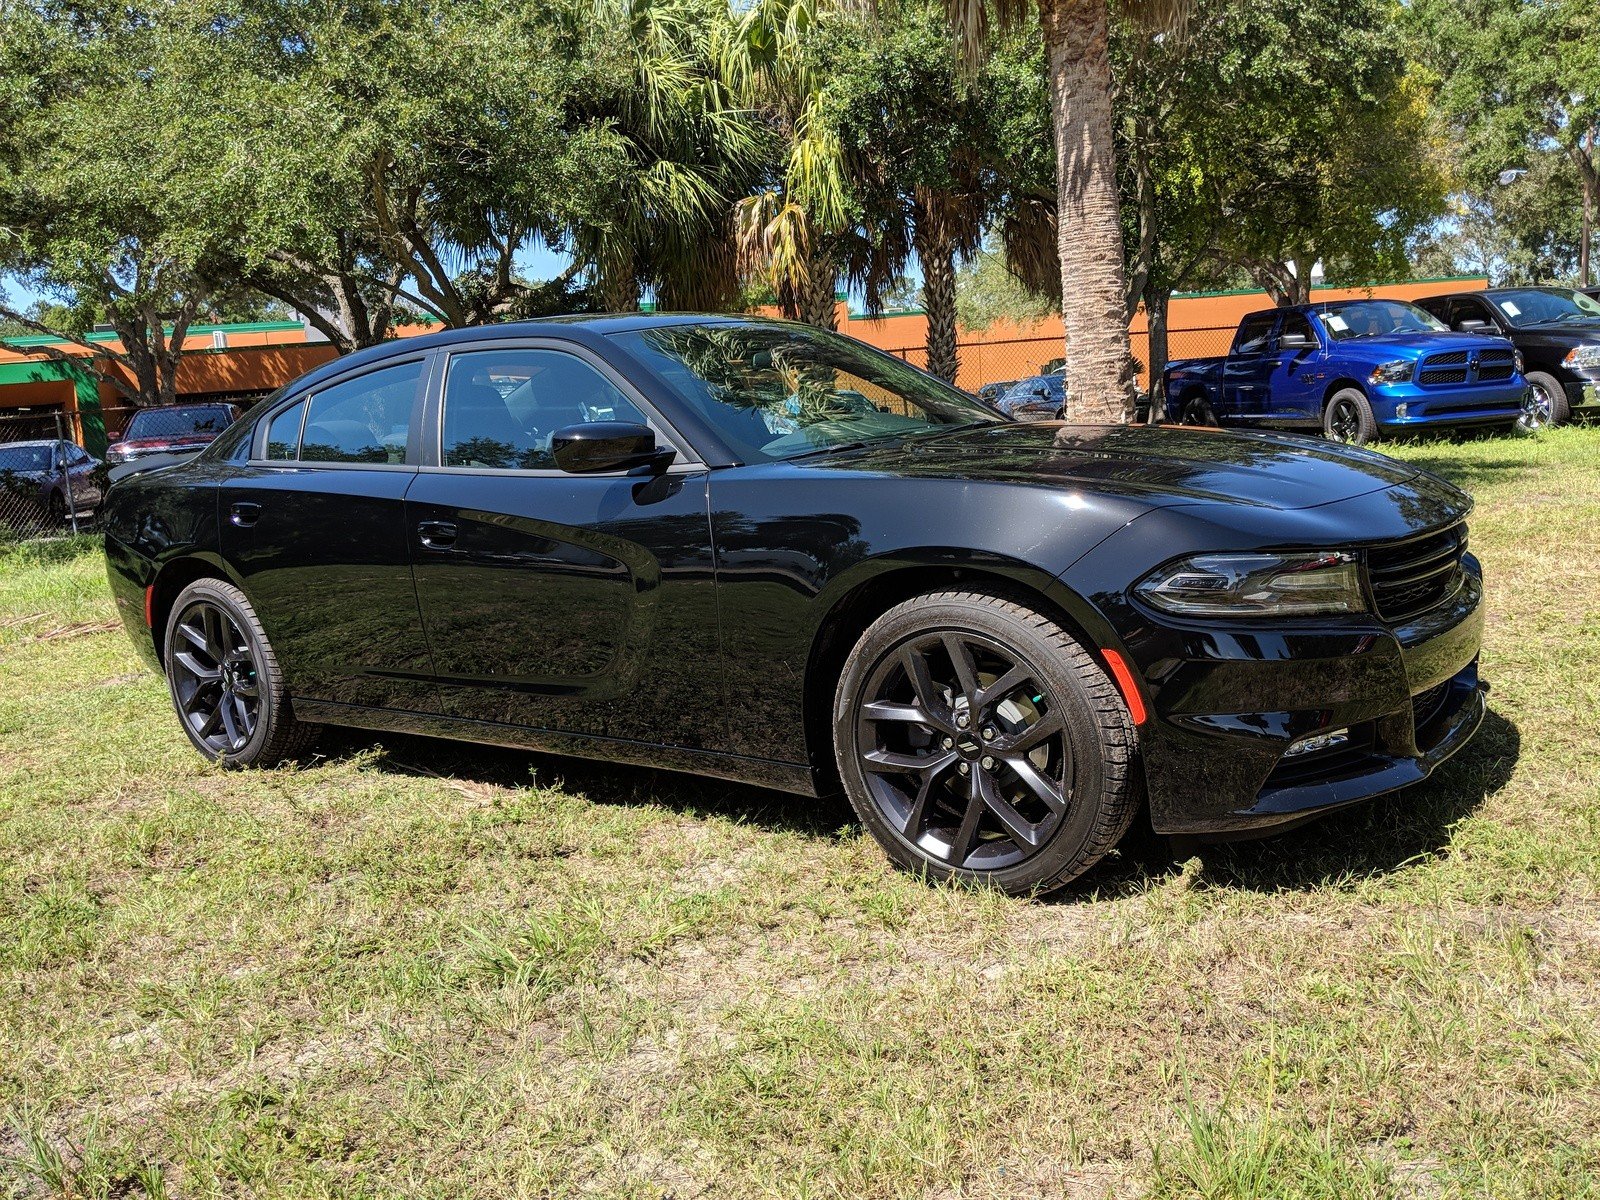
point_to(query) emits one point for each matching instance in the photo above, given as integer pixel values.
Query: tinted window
(1546, 306)
(1253, 333)
(1374, 318)
(362, 420)
(1464, 312)
(1297, 324)
(777, 391)
(188, 421)
(502, 406)
(283, 435)
(77, 455)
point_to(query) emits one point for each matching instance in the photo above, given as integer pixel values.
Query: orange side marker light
(1127, 685)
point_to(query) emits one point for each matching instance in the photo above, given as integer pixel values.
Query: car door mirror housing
(1296, 341)
(1472, 325)
(596, 446)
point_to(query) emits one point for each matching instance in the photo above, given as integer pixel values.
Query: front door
(580, 604)
(315, 527)
(1295, 383)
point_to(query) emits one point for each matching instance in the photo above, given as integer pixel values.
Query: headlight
(1240, 585)
(1398, 371)
(1583, 358)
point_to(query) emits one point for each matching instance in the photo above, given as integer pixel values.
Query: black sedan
(753, 550)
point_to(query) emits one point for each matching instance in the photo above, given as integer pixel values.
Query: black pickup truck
(1558, 331)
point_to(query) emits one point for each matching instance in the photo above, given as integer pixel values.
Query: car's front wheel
(225, 681)
(1547, 403)
(978, 740)
(1348, 418)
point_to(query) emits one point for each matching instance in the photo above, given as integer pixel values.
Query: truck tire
(1347, 418)
(1196, 410)
(1549, 405)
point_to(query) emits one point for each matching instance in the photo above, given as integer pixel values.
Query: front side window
(779, 391)
(362, 420)
(501, 407)
(1377, 318)
(1546, 306)
(1297, 326)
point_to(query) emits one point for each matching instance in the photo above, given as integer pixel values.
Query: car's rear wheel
(977, 740)
(225, 681)
(1348, 418)
(1547, 403)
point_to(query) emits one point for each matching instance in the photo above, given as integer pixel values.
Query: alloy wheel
(1537, 408)
(215, 677)
(1196, 412)
(1344, 422)
(964, 750)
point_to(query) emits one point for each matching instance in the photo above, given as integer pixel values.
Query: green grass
(413, 968)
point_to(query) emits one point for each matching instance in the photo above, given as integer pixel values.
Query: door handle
(244, 514)
(437, 535)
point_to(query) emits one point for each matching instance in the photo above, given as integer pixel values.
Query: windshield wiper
(838, 448)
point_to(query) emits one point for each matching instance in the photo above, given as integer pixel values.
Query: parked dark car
(1557, 331)
(990, 392)
(52, 478)
(1355, 369)
(171, 429)
(999, 637)
(1037, 398)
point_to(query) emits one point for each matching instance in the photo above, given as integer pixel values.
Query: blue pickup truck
(1356, 369)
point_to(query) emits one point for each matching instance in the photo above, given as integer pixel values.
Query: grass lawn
(414, 968)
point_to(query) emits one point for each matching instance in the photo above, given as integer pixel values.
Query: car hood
(1164, 466)
(1386, 346)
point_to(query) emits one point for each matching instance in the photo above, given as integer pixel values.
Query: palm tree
(1099, 363)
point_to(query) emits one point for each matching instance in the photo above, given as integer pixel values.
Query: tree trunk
(1155, 307)
(1093, 282)
(816, 296)
(936, 252)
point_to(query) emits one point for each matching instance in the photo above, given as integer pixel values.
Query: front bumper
(1584, 398)
(1408, 406)
(1407, 698)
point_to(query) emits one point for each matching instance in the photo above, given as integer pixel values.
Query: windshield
(1375, 318)
(1545, 306)
(24, 458)
(779, 391)
(180, 422)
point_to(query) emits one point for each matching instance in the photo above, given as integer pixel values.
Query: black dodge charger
(754, 550)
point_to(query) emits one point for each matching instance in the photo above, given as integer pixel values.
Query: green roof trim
(40, 339)
(1324, 287)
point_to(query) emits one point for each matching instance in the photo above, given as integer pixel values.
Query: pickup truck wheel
(1547, 403)
(1348, 418)
(1197, 411)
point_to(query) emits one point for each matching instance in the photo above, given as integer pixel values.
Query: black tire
(1197, 410)
(225, 682)
(1347, 418)
(1549, 404)
(1022, 789)
(57, 506)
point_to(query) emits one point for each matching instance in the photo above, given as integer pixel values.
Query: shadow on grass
(1367, 839)
(600, 782)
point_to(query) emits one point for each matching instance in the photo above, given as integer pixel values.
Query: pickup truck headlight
(1398, 371)
(1243, 585)
(1583, 358)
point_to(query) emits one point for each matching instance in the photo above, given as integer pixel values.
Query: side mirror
(608, 446)
(1471, 325)
(1296, 341)
(113, 436)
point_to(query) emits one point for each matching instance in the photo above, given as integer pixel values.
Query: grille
(1448, 360)
(1496, 366)
(1435, 376)
(1425, 706)
(1411, 577)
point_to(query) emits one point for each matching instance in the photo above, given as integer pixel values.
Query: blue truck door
(1246, 371)
(1295, 382)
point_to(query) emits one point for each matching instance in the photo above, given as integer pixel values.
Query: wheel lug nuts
(988, 733)
(963, 768)
(948, 743)
(988, 763)
(961, 720)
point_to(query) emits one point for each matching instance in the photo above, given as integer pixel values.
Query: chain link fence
(50, 486)
(992, 363)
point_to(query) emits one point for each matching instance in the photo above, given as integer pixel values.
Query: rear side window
(283, 435)
(1253, 333)
(362, 420)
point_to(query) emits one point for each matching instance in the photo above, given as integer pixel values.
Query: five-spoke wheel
(978, 740)
(224, 679)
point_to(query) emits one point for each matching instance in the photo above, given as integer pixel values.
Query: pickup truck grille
(1456, 367)
(1411, 577)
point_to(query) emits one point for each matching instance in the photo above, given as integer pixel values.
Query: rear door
(1247, 371)
(314, 525)
(579, 604)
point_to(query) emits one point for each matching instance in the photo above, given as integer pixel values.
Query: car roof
(585, 328)
(32, 442)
